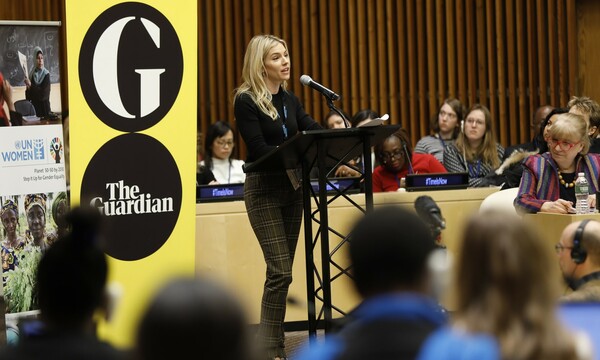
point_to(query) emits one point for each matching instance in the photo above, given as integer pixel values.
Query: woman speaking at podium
(267, 115)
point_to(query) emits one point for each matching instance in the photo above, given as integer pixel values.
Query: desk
(227, 249)
(550, 226)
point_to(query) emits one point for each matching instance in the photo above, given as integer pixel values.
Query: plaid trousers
(275, 212)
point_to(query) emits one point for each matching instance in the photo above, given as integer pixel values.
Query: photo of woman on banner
(60, 207)
(38, 85)
(35, 211)
(12, 242)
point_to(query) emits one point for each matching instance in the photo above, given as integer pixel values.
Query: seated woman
(333, 120)
(445, 127)
(476, 150)
(505, 305)
(217, 149)
(548, 179)
(395, 155)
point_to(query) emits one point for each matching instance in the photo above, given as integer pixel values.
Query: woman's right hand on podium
(559, 206)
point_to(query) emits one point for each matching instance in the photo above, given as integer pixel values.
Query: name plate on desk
(442, 181)
(225, 192)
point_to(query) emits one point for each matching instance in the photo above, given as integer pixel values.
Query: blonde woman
(267, 115)
(476, 150)
(506, 302)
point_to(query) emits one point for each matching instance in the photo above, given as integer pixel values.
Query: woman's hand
(27, 82)
(345, 171)
(559, 206)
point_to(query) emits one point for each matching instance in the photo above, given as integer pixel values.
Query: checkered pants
(275, 212)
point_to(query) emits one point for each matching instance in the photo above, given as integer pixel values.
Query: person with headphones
(579, 259)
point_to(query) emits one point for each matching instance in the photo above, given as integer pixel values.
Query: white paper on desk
(375, 122)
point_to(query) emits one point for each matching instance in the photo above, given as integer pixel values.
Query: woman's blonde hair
(571, 127)
(254, 72)
(487, 150)
(503, 288)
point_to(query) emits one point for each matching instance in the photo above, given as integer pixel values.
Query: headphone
(579, 254)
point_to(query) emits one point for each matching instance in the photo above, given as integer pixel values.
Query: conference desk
(227, 249)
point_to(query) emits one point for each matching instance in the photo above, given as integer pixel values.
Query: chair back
(25, 107)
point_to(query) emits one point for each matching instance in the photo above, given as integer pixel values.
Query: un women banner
(132, 95)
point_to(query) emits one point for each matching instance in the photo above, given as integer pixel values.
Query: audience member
(218, 148)
(333, 120)
(579, 259)
(508, 175)
(445, 127)
(538, 120)
(71, 279)
(395, 155)
(193, 317)
(38, 85)
(476, 150)
(590, 110)
(548, 182)
(389, 249)
(505, 301)
(359, 119)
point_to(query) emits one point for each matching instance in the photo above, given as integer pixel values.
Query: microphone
(410, 167)
(430, 212)
(308, 81)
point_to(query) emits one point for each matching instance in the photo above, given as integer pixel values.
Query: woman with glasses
(548, 181)
(397, 160)
(476, 150)
(218, 148)
(445, 126)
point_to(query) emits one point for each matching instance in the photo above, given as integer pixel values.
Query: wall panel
(400, 57)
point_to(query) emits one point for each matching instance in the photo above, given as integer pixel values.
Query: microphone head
(305, 80)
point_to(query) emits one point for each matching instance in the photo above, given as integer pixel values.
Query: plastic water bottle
(582, 191)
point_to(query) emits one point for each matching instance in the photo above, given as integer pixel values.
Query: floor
(295, 341)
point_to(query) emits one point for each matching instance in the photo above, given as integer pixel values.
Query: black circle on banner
(134, 182)
(131, 66)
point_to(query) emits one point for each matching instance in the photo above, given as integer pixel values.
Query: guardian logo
(131, 66)
(134, 183)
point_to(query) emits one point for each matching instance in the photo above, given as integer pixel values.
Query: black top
(263, 134)
(595, 148)
(568, 193)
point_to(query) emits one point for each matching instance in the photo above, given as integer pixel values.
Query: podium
(324, 149)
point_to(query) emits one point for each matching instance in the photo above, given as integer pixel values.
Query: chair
(25, 107)
(501, 200)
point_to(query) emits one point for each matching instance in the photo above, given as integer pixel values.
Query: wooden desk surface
(226, 247)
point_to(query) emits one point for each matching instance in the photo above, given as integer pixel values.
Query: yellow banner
(132, 97)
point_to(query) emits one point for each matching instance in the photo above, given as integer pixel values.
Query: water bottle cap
(580, 174)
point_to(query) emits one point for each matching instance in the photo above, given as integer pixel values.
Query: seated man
(579, 260)
(389, 249)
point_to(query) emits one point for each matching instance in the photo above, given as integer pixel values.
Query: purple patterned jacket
(540, 184)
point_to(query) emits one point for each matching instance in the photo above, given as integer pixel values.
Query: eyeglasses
(222, 143)
(560, 247)
(479, 122)
(564, 145)
(389, 156)
(449, 115)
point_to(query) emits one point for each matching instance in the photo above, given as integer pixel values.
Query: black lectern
(324, 149)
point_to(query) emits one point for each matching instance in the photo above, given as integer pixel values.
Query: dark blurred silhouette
(193, 317)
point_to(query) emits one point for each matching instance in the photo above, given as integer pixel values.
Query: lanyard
(476, 175)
